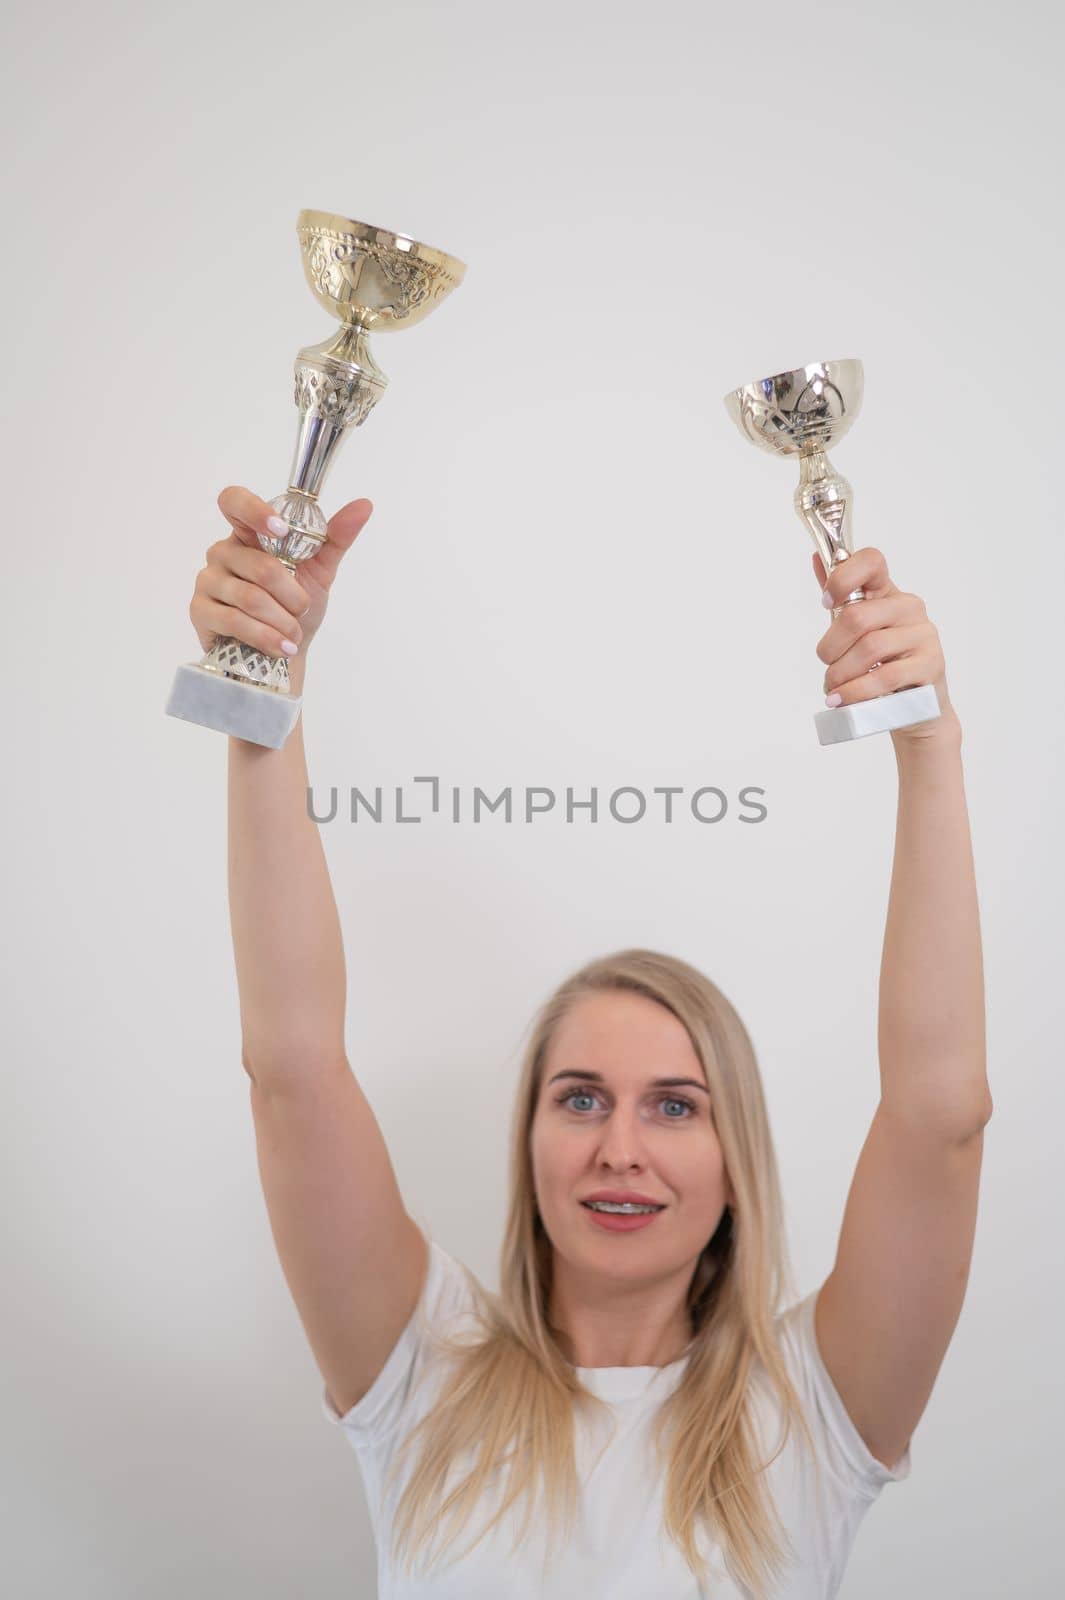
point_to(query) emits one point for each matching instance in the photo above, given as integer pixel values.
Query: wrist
(939, 739)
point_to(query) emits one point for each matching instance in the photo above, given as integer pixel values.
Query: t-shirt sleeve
(446, 1294)
(843, 1449)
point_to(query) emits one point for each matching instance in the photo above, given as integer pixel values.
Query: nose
(620, 1143)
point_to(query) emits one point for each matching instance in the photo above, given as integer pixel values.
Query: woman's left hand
(882, 643)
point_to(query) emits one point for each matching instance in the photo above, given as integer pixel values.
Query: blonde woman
(633, 1414)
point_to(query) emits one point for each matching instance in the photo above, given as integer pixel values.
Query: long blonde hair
(511, 1394)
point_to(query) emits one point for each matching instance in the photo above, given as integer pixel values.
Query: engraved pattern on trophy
(415, 279)
(337, 261)
(813, 422)
(365, 278)
(344, 400)
(238, 660)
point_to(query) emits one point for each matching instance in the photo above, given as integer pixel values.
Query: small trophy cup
(800, 414)
(367, 278)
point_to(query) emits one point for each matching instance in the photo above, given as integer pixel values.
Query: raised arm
(353, 1258)
(287, 942)
(931, 1034)
(286, 932)
(886, 1313)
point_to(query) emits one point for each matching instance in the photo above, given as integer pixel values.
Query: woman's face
(626, 1132)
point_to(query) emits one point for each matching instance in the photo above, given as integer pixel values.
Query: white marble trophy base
(262, 716)
(902, 709)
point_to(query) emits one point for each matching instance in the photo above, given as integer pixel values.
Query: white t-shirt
(620, 1551)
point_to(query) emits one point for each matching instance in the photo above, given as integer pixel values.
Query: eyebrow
(658, 1083)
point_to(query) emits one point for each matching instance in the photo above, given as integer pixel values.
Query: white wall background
(576, 574)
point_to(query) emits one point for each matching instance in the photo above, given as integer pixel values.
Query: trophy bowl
(369, 277)
(799, 412)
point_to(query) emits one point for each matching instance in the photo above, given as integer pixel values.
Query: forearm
(286, 932)
(931, 1027)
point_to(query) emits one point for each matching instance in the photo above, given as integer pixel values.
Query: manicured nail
(833, 699)
(826, 599)
(277, 525)
(288, 647)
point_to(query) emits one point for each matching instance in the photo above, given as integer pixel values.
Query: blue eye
(669, 1099)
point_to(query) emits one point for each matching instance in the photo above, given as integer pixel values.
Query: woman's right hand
(245, 593)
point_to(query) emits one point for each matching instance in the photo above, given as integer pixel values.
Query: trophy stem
(338, 383)
(824, 500)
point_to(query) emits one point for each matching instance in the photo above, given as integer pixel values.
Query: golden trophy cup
(369, 280)
(801, 413)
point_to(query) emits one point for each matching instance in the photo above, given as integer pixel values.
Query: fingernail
(826, 599)
(277, 525)
(288, 647)
(833, 699)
